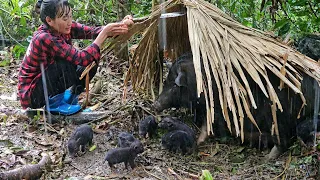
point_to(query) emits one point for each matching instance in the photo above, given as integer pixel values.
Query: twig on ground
(107, 101)
(45, 121)
(52, 129)
(189, 174)
(143, 108)
(113, 176)
(202, 163)
(113, 122)
(101, 118)
(137, 115)
(286, 168)
(255, 170)
(151, 174)
(81, 170)
(171, 171)
(87, 91)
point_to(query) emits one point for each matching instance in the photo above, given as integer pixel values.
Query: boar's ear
(170, 124)
(181, 79)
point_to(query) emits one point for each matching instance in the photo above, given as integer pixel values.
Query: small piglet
(172, 123)
(125, 139)
(126, 155)
(148, 125)
(79, 138)
(178, 141)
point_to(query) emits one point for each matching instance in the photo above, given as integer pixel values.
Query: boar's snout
(157, 106)
(142, 133)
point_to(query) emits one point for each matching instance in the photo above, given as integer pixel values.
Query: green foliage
(297, 17)
(92, 148)
(15, 17)
(4, 58)
(4, 63)
(3, 118)
(140, 8)
(36, 118)
(98, 12)
(206, 175)
(246, 12)
(101, 12)
(18, 51)
(18, 21)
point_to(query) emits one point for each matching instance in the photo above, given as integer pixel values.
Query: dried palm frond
(228, 50)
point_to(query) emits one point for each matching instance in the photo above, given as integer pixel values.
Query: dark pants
(60, 76)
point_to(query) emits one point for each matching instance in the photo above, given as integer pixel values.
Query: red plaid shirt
(45, 47)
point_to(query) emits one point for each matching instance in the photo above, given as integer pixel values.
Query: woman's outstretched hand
(128, 20)
(114, 29)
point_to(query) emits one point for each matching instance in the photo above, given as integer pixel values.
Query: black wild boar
(179, 141)
(179, 88)
(172, 123)
(180, 91)
(125, 139)
(310, 46)
(125, 155)
(79, 138)
(148, 125)
(306, 130)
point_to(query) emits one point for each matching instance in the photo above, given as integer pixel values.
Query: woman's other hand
(114, 29)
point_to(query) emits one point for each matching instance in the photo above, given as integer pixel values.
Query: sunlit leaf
(4, 63)
(20, 3)
(206, 175)
(92, 148)
(18, 51)
(23, 21)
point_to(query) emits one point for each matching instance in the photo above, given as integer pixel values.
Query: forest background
(280, 17)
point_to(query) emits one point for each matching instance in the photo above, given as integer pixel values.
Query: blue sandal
(64, 103)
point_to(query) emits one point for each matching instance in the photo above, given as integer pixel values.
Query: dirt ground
(23, 140)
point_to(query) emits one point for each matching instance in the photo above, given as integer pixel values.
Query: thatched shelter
(226, 47)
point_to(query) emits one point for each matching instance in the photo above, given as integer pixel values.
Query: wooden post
(122, 50)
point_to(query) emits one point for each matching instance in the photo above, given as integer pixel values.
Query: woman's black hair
(52, 8)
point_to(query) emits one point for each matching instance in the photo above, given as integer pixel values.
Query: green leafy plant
(18, 51)
(15, 18)
(4, 118)
(36, 118)
(282, 17)
(4, 58)
(206, 175)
